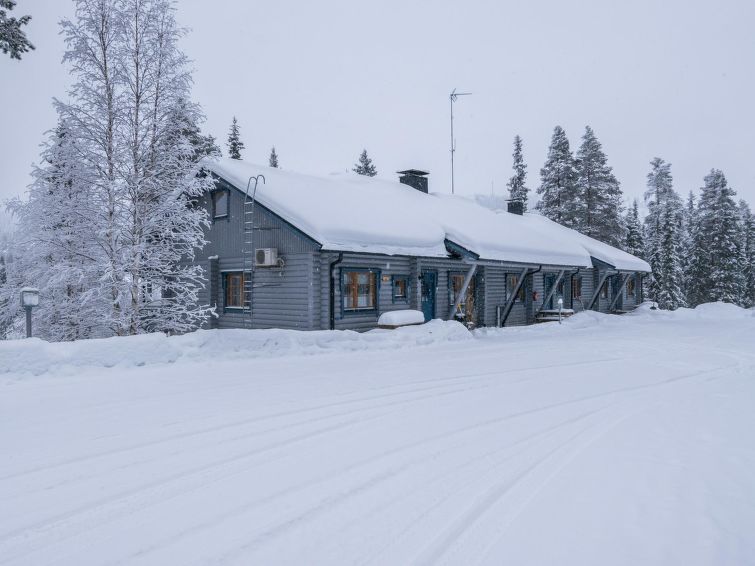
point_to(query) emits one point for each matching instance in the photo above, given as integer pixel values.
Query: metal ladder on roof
(249, 252)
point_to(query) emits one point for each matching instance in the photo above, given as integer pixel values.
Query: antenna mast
(452, 97)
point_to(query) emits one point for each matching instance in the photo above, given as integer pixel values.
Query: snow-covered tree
(184, 117)
(128, 153)
(715, 272)
(688, 238)
(747, 253)
(365, 166)
(13, 40)
(558, 190)
(667, 284)
(56, 245)
(664, 237)
(600, 215)
(273, 161)
(160, 229)
(235, 145)
(517, 188)
(634, 243)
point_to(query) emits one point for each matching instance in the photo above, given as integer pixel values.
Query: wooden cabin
(294, 251)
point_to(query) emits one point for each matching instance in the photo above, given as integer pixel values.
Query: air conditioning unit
(266, 257)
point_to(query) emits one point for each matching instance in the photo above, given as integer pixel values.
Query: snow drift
(36, 357)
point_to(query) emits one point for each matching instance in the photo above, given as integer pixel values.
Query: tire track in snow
(147, 495)
(260, 419)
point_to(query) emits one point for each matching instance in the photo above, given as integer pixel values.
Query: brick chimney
(414, 178)
(515, 206)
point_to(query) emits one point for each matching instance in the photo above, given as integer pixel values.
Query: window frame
(452, 292)
(396, 298)
(226, 278)
(356, 311)
(213, 195)
(631, 294)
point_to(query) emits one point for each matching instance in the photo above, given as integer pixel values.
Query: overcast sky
(321, 80)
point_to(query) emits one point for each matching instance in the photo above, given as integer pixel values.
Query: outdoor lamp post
(29, 300)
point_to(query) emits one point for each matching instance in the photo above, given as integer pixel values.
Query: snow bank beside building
(33, 356)
(36, 357)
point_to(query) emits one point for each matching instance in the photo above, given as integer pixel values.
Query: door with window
(549, 279)
(428, 286)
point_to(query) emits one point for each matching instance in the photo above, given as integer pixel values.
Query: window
(400, 288)
(630, 288)
(512, 281)
(234, 290)
(467, 309)
(456, 282)
(220, 204)
(576, 287)
(359, 290)
(604, 290)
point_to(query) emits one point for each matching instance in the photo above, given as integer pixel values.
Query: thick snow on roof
(347, 212)
(351, 212)
(502, 236)
(619, 259)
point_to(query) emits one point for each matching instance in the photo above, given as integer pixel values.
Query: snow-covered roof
(500, 235)
(349, 212)
(345, 212)
(615, 257)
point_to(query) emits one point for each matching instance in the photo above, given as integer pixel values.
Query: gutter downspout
(331, 270)
(571, 290)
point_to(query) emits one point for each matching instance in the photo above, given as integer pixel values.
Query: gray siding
(281, 297)
(226, 235)
(387, 266)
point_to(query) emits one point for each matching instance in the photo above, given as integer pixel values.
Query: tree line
(700, 251)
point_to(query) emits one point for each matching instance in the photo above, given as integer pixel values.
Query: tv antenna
(452, 97)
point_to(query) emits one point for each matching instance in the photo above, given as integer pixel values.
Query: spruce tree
(716, 270)
(13, 40)
(517, 188)
(688, 238)
(273, 161)
(365, 166)
(184, 120)
(235, 145)
(634, 243)
(59, 254)
(667, 286)
(599, 190)
(559, 198)
(664, 237)
(747, 253)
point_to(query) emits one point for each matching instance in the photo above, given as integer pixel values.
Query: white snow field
(604, 441)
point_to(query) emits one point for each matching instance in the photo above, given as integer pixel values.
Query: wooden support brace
(463, 291)
(615, 299)
(596, 294)
(510, 302)
(553, 288)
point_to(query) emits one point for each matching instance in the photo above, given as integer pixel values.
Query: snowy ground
(607, 440)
